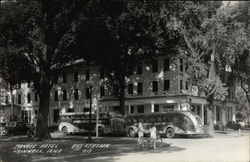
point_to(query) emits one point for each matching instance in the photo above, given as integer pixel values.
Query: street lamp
(89, 140)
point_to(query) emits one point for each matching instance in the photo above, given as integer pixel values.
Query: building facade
(158, 86)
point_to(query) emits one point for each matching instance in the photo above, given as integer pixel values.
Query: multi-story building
(159, 86)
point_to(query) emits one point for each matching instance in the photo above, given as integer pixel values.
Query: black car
(17, 128)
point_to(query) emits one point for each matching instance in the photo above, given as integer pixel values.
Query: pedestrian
(140, 131)
(153, 134)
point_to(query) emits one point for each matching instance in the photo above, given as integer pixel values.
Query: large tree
(123, 33)
(41, 32)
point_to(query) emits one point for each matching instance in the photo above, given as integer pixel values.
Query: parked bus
(169, 123)
(78, 122)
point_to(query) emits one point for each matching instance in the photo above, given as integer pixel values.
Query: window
(87, 72)
(180, 86)
(6, 99)
(76, 96)
(65, 78)
(28, 97)
(36, 97)
(19, 99)
(166, 64)
(87, 92)
(132, 109)
(26, 116)
(130, 88)
(102, 91)
(56, 115)
(36, 113)
(56, 95)
(76, 76)
(156, 108)
(186, 84)
(101, 73)
(155, 86)
(155, 66)
(64, 95)
(140, 108)
(181, 64)
(166, 85)
(139, 69)
(139, 88)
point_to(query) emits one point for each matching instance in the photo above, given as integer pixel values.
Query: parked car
(233, 125)
(17, 128)
(3, 131)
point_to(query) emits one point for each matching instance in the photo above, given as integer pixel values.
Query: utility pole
(89, 140)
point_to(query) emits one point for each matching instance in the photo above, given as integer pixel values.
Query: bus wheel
(131, 133)
(65, 131)
(100, 131)
(170, 133)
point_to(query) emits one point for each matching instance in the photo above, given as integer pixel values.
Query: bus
(78, 122)
(168, 123)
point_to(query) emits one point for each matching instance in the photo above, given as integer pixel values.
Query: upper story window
(132, 109)
(186, 84)
(101, 73)
(87, 93)
(76, 95)
(36, 97)
(181, 86)
(102, 91)
(64, 95)
(87, 73)
(139, 70)
(64, 78)
(28, 97)
(155, 66)
(130, 88)
(155, 86)
(181, 64)
(19, 99)
(6, 99)
(56, 96)
(166, 64)
(139, 88)
(76, 76)
(166, 85)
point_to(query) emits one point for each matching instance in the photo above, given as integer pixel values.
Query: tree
(121, 34)
(41, 32)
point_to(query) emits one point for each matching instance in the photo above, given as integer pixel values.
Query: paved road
(231, 147)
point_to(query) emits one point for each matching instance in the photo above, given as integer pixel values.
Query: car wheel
(170, 133)
(65, 131)
(131, 132)
(31, 133)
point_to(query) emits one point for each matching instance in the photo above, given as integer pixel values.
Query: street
(232, 147)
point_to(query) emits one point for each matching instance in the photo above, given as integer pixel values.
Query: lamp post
(89, 140)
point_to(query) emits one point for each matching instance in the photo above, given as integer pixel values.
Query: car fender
(70, 127)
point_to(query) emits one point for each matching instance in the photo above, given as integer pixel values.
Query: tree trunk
(42, 129)
(210, 120)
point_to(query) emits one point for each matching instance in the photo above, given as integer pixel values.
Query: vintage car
(17, 128)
